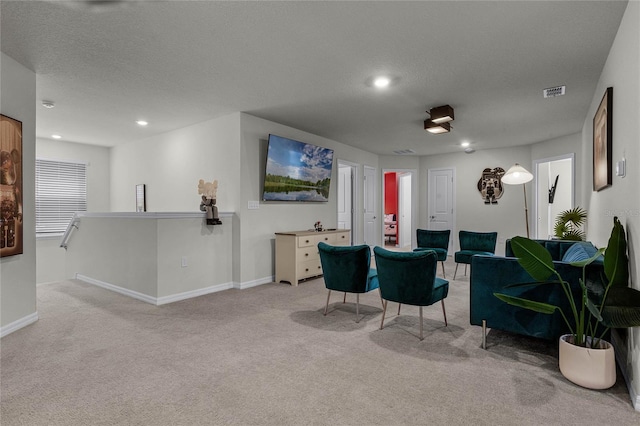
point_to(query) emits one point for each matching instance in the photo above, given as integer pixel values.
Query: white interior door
(404, 204)
(441, 198)
(345, 198)
(370, 203)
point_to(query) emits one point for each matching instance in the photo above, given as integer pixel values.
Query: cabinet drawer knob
(325, 238)
(318, 267)
(306, 269)
(343, 237)
(306, 254)
(306, 241)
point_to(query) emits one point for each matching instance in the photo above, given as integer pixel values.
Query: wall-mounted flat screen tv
(296, 171)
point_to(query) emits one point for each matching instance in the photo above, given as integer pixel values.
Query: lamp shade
(516, 175)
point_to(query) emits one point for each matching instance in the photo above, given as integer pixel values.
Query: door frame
(414, 196)
(571, 156)
(354, 196)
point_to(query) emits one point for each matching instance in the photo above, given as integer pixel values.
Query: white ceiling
(308, 65)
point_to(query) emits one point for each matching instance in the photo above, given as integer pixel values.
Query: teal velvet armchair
(410, 278)
(347, 269)
(435, 240)
(472, 243)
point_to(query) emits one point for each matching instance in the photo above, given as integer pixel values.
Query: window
(61, 190)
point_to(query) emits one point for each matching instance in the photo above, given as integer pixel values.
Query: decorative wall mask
(490, 185)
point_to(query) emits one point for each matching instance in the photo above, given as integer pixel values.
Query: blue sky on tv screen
(298, 160)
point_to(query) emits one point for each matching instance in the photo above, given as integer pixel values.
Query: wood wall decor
(490, 185)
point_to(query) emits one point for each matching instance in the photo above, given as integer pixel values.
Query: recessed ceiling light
(48, 104)
(381, 82)
(56, 136)
(465, 144)
(142, 122)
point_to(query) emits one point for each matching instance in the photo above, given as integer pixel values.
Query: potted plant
(610, 303)
(569, 223)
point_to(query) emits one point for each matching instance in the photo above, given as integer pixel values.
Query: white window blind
(61, 190)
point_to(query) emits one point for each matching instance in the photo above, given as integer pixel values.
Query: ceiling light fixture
(142, 122)
(441, 114)
(48, 104)
(436, 128)
(56, 136)
(382, 82)
(439, 118)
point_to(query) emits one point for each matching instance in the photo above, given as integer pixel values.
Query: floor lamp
(517, 175)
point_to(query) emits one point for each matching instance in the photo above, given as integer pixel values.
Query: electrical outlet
(184, 262)
(253, 205)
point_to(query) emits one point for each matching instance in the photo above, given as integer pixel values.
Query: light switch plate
(620, 167)
(253, 205)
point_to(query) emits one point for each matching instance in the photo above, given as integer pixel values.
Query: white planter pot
(590, 368)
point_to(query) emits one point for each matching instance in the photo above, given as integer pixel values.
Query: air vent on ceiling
(404, 152)
(552, 92)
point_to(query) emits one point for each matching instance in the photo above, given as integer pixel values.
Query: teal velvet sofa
(492, 274)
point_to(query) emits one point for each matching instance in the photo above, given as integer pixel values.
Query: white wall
(50, 256)
(507, 217)
(231, 149)
(621, 71)
(18, 273)
(258, 226)
(171, 164)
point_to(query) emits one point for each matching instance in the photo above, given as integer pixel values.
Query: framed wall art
(11, 238)
(602, 142)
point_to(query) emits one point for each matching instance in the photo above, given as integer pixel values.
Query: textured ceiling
(309, 64)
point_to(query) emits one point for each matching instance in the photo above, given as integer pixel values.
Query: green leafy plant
(569, 223)
(609, 302)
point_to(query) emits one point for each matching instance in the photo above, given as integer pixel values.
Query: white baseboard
(173, 297)
(254, 283)
(193, 293)
(18, 324)
(118, 289)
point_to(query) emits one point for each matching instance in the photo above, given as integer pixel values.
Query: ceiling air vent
(404, 152)
(552, 92)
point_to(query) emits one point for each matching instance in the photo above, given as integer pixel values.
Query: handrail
(73, 223)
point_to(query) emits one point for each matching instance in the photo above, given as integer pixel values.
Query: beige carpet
(267, 355)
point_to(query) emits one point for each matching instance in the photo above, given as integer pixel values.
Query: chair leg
(327, 305)
(484, 334)
(465, 269)
(381, 299)
(421, 336)
(399, 304)
(357, 307)
(384, 310)
(456, 271)
(443, 274)
(444, 313)
(344, 300)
